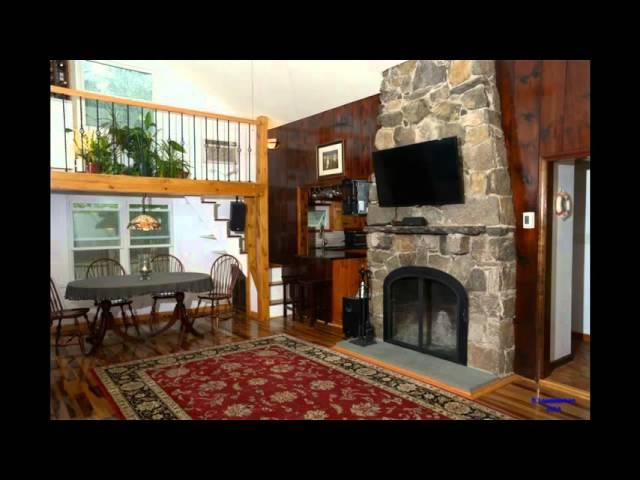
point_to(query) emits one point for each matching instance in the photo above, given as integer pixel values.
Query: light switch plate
(529, 220)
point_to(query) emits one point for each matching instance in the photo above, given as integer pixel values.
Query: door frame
(544, 366)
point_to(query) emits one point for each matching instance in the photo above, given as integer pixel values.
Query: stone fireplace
(472, 242)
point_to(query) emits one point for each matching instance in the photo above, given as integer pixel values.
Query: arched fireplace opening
(426, 310)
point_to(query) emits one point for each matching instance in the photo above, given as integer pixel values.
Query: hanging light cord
(252, 89)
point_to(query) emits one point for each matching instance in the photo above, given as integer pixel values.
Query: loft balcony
(102, 143)
(105, 144)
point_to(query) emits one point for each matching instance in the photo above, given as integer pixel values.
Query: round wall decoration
(563, 204)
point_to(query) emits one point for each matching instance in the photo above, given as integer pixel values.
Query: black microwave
(355, 197)
(355, 239)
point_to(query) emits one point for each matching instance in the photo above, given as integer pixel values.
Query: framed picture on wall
(330, 158)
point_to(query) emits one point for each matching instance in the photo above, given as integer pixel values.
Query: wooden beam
(262, 224)
(102, 183)
(151, 106)
(301, 216)
(250, 246)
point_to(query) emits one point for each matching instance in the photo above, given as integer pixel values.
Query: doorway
(564, 264)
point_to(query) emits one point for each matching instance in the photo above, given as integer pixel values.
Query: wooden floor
(74, 394)
(576, 373)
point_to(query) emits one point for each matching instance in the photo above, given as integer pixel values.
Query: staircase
(230, 233)
(276, 289)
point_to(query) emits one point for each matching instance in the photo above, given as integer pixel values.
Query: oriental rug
(275, 378)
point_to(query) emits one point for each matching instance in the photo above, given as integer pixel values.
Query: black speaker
(353, 309)
(238, 217)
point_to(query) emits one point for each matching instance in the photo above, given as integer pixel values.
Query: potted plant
(96, 151)
(171, 161)
(138, 143)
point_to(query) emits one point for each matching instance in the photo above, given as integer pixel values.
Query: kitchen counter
(330, 254)
(338, 266)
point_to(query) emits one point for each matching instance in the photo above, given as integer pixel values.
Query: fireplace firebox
(426, 310)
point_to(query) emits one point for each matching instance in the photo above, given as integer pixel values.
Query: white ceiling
(283, 90)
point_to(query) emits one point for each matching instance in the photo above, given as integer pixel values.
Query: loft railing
(95, 133)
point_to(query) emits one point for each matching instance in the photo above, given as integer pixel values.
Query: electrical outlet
(528, 220)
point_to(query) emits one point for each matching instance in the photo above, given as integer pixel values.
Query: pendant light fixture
(144, 222)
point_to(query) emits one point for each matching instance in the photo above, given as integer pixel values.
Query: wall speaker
(238, 216)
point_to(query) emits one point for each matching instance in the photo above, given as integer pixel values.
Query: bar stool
(291, 296)
(313, 291)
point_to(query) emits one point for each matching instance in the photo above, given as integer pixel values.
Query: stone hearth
(428, 100)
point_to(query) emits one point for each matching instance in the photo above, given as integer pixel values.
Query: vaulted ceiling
(283, 90)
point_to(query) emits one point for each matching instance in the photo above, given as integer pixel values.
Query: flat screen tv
(427, 173)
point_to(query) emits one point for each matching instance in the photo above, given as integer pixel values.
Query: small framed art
(330, 158)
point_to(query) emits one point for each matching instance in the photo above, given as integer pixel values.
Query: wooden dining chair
(163, 263)
(59, 313)
(104, 267)
(224, 275)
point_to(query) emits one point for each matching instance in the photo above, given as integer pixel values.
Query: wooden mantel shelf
(102, 183)
(428, 229)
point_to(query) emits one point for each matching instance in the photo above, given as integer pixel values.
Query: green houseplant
(95, 149)
(138, 143)
(171, 161)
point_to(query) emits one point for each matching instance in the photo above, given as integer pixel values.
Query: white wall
(562, 267)
(586, 309)
(283, 90)
(191, 220)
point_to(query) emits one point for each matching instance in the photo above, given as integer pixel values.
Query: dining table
(104, 290)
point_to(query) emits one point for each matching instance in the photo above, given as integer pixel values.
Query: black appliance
(427, 173)
(238, 216)
(355, 239)
(355, 197)
(353, 308)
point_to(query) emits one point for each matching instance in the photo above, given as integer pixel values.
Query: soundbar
(411, 222)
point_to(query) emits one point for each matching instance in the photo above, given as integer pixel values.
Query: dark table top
(125, 286)
(332, 254)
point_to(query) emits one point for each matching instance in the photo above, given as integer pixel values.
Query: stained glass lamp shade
(144, 222)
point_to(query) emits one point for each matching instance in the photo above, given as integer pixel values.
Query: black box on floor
(353, 311)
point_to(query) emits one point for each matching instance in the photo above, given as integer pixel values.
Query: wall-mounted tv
(427, 173)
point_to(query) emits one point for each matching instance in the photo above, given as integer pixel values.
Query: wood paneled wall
(293, 163)
(545, 113)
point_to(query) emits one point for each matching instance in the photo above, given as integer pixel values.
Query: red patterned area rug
(276, 378)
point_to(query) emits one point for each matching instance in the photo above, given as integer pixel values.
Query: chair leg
(58, 333)
(195, 315)
(125, 321)
(79, 334)
(95, 319)
(284, 301)
(134, 319)
(152, 318)
(213, 310)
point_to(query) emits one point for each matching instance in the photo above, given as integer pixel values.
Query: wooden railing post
(262, 221)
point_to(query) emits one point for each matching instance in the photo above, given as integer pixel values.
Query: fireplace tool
(365, 329)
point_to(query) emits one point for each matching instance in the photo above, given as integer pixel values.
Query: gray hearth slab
(465, 378)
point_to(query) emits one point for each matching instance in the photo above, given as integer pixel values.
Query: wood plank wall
(294, 163)
(545, 112)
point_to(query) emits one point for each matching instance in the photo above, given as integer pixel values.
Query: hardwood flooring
(577, 372)
(75, 395)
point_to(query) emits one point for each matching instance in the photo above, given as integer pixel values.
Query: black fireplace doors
(426, 310)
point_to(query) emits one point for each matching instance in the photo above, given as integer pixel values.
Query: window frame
(125, 235)
(77, 79)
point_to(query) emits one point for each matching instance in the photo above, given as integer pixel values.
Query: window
(222, 158)
(113, 80)
(99, 230)
(96, 234)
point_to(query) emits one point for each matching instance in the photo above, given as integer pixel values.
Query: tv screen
(427, 173)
